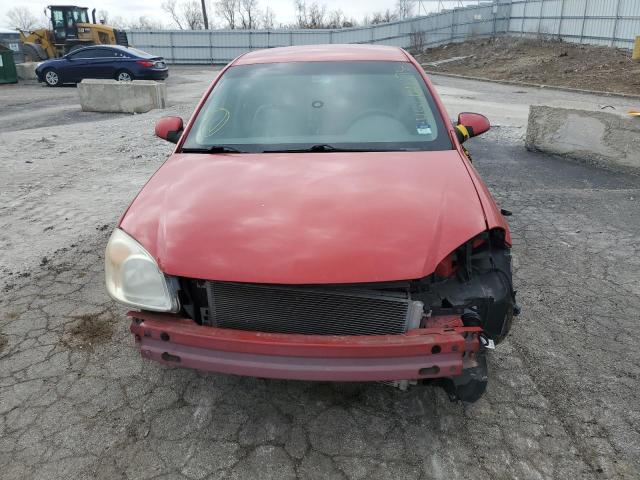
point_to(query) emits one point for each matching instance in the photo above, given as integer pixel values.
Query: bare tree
(227, 10)
(404, 8)
(171, 7)
(118, 22)
(248, 12)
(301, 13)
(337, 19)
(349, 22)
(310, 16)
(268, 18)
(317, 15)
(192, 14)
(143, 23)
(22, 18)
(417, 41)
(382, 17)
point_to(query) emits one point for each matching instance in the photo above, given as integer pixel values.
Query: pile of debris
(544, 62)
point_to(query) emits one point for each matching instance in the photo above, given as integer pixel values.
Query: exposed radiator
(312, 311)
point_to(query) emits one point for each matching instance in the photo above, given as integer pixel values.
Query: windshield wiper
(213, 149)
(323, 147)
(316, 148)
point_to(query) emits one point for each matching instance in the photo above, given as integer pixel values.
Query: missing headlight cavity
(480, 288)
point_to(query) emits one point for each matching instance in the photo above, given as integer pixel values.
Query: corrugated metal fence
(611, 22)
(599, 22)
(221, 46)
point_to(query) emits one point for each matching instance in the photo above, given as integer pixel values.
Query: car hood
(311, 218)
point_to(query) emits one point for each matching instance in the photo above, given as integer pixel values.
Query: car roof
(324, 53)
(132, 51)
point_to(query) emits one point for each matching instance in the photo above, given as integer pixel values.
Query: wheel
(51, 78)
(124, 76)
(34, 52)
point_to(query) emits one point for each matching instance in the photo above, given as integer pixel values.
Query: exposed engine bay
(473, 284)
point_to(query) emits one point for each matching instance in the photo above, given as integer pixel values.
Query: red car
(318, 220)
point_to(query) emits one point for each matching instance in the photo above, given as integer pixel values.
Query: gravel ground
(76, 401)
(548, 62)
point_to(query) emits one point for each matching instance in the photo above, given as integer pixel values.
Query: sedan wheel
(124, 77)
(52, 78)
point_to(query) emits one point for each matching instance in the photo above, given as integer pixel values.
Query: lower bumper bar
(418, 354)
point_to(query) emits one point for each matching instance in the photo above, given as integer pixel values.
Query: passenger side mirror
(474, 124)
(169, 128)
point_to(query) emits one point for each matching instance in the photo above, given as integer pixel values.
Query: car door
(80, 65)
(103, 63)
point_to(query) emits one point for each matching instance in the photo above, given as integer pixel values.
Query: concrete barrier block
(27, 70)
(596, 137)
(138, 96)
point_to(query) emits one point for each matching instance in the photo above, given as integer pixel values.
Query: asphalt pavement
(76, 401)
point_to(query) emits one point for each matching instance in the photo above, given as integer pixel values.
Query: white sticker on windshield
(423, 128)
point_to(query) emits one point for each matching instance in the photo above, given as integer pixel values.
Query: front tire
(52, 78)
(124, 76)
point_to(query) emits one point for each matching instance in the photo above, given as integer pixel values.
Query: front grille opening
(305, 310)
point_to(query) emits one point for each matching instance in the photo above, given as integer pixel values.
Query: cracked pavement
(77, 401)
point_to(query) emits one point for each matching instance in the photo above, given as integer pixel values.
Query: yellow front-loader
(70, 29)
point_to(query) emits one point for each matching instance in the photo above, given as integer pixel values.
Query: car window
(104, 53)
(364, 105)
(89, 53)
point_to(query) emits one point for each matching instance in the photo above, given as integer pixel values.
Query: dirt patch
(548, 62)
(88, 331)
(3, 342)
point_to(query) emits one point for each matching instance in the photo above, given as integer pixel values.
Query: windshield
(363, 105)
(80, 15)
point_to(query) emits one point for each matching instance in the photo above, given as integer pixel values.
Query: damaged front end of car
(438, 328)
(475, 284)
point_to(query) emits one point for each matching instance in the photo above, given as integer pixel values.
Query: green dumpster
(7, 66)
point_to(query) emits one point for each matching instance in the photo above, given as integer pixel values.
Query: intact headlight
(133, 277)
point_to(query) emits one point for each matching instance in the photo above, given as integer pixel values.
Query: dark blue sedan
(102, 61)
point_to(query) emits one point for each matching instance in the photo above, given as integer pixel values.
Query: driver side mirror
(474, 124)
(169, 128)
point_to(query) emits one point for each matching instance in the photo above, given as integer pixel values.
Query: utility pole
(204, 15)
